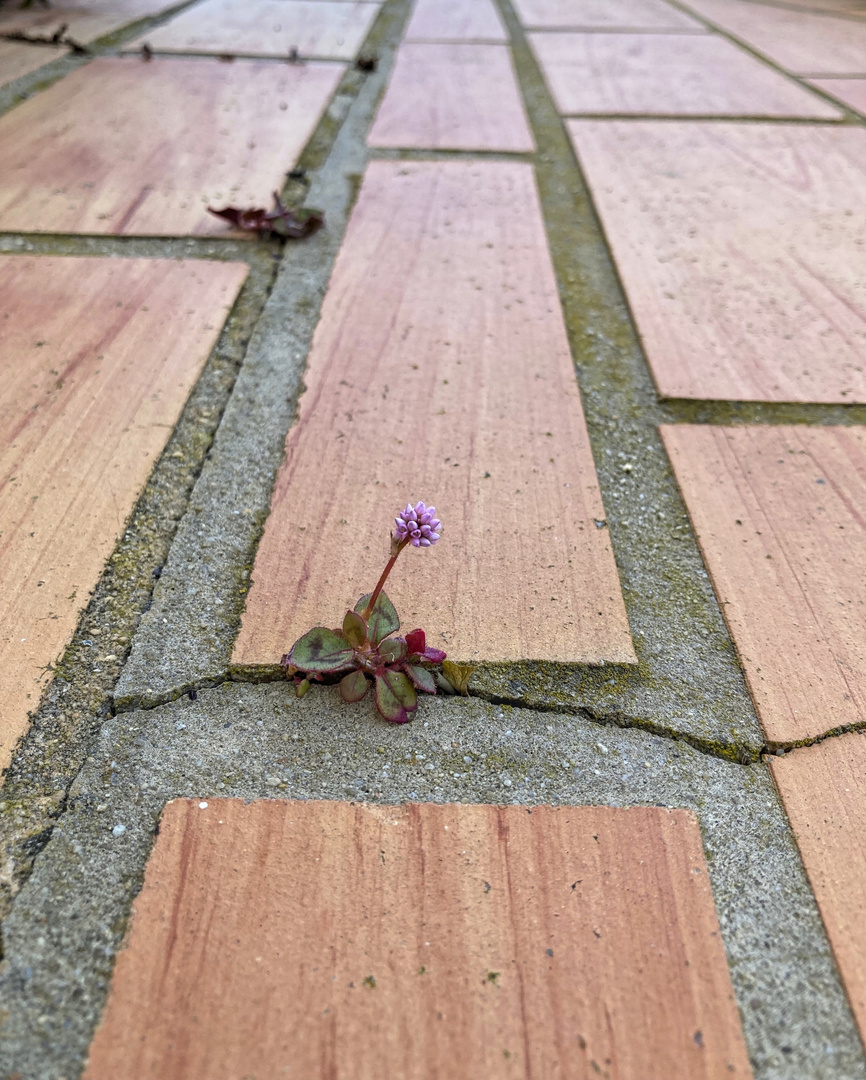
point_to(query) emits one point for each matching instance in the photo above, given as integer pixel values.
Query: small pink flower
(419, 524)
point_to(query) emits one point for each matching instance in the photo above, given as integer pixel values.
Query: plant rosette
(363, 650)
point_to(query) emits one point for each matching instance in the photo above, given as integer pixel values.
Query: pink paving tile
(316, 28)
(86, 20)
(823, 788)
(453, 97)
(174, 137)
(441, 363)
(603, 15)
(850, 91)
(333, 941)
(667, 74)
(456, 20)
(17, 59)
(739, 248)
(778, 512)
(802, 42)
(99, 357)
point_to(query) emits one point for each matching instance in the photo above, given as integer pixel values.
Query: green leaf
(321, 649)
(422, 678)
(395, 697)
(383, 619)
(354, 686)
(354, 630)
(302, 687)
(394, 650)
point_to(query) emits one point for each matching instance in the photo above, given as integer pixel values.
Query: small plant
(363, 650)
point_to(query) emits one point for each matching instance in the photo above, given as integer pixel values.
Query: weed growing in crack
(363, 650)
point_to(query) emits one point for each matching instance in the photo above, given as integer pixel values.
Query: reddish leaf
(395, 697)
(416, 641)
(422, 678)
(281, 221)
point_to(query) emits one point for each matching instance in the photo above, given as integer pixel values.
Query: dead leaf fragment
(281, 221)
(458, 675)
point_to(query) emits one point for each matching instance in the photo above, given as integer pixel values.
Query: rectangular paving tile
(667, 74)
(453, 97)
(456, 20)
(778, 512)
(316, 28)
(801, 41)
(174, 136)
(823, 788)
(99, 357)
(85, 20)
(440, 370)
(332, 940)
(17, 59)
(603, 14)
(850, 91)
(738, 246)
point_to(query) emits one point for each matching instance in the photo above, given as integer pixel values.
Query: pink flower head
(419, 524)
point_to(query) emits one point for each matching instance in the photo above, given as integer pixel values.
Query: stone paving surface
(704, 667)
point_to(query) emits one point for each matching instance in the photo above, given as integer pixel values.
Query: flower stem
(396, 548)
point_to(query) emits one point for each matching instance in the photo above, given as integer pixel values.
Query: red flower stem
(365, 614)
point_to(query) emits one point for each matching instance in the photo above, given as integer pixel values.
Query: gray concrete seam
(250, 741)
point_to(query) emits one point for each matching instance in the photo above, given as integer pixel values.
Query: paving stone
(100, 355)
(420, 940)
(456, 20)
(850, 91)
(823, 788)
(666, 74)
(738, 246)
(173, 137)
(17, 59)
(777, 512)
(85, 20)
(440, 370)
(603, 14)
(453, 97)
(801, 41)
(316, 28)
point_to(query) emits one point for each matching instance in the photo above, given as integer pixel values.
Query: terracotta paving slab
(86, 20)
(823, 788)
(99, 357)
(604, 15)
(174, 137)
(363, 942)
(456, 20)
(739, 248)
(851, 91)
(667, 74)
(802, 42)
(441, 363)
(453, 97)
(17, 60)
(316, 28)
(778, 512)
